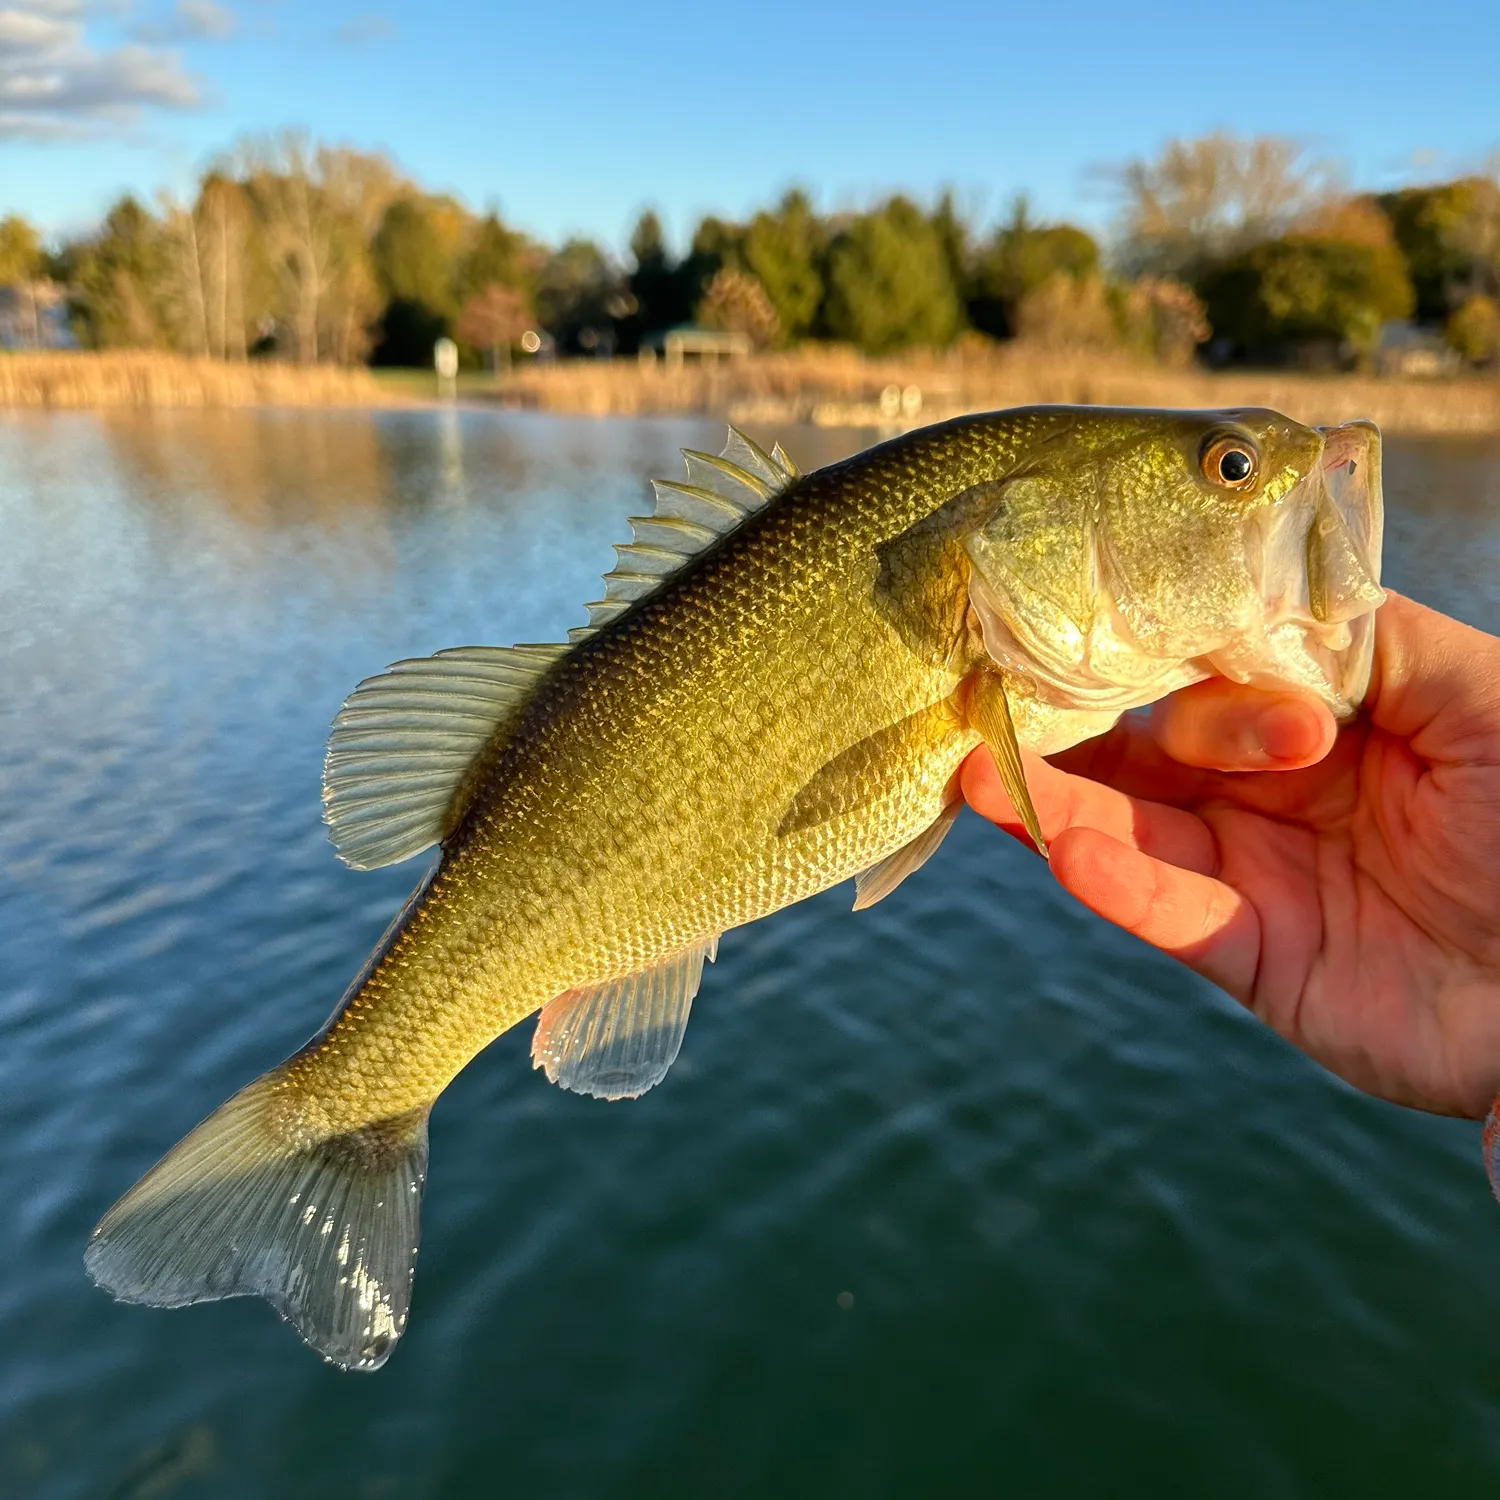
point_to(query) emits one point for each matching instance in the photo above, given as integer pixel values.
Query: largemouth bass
(774, 696)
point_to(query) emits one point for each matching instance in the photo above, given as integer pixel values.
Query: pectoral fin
(989, 713)
(876, 883)
(863, 775)
(616, 1040)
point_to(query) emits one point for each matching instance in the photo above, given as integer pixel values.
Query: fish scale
(656, 715)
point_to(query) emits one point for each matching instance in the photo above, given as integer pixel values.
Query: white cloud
(55, 85)
(191, 21)
(202, 18)
(34, 31)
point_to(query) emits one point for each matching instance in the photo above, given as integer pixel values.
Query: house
(1405, 349)
(34, 315)
(674, 345)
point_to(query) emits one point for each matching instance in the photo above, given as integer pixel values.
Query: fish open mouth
(1316, 559)
(1343, 556)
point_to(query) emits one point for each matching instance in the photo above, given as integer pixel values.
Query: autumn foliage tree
(737, 303)
(1244, 247)
(494, 319)
(1473, 330)
(1017, 261)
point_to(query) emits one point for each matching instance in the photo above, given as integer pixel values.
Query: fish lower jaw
(1329, 661)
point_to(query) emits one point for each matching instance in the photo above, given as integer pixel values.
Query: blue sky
(573, 116)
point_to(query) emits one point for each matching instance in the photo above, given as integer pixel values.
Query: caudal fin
(324, 1230)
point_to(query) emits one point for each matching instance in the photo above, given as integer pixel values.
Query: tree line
(1236, 249)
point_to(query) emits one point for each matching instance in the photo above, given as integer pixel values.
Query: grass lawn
(419, 384)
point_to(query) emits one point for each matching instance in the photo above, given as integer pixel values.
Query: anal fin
(876, 883)
(616, 1040)
(989, 713)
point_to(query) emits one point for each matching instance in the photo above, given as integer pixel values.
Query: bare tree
(181, 293)
(278, 179)
(1208, 197)
(318, 211)
(225, 243)
(355, 188)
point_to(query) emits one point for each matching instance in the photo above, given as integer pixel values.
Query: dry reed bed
(830, 386)
(835, 387)
(123, 378)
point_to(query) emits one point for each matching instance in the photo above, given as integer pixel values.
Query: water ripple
(964, 1194)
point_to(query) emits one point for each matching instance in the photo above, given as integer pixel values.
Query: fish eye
(1229, 462)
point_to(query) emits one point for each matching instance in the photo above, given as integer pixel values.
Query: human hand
(1345, 886)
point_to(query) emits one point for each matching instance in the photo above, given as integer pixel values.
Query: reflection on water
(965, 1194)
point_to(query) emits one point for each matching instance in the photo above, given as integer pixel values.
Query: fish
(774, 695)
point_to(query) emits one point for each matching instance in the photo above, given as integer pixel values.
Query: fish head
(1141, 551)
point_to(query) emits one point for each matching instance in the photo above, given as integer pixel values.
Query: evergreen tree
(888, 282)
(580, 295)
(415, 254)
(119, 281)
(496, 255)
(953, 235)
(783, 250)
(1020, 258)
(658, 284)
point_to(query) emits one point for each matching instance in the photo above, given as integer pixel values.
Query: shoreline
(824, 387)
(67, 380)
(833, 389)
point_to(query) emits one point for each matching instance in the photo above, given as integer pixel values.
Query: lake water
(966, 1195)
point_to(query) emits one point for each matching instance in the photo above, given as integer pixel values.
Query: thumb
(1223, 726)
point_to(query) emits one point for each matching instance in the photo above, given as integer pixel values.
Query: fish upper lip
(1350, 470)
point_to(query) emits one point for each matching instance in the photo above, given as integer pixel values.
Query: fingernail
(1288, 731)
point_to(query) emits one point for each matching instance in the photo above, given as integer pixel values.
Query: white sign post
(445, 362)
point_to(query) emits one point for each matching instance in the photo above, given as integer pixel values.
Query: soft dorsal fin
(617, 1039)
(690, 515)
(404, 741)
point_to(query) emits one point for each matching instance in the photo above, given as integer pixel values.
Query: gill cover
(1112, 577)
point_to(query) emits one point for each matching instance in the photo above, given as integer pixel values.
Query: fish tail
(1491, 1139)
(253, 1201)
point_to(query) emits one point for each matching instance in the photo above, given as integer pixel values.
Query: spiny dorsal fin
(617, 1039)
(690, 515)
(404, 741)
